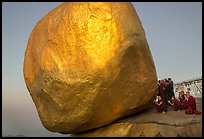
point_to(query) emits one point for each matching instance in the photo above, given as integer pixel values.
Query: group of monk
(166, 89)
(166, 97)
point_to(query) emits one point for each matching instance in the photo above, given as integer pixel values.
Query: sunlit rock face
(88, 64)
(144, 130)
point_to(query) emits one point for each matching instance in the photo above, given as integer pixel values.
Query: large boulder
(89, 64)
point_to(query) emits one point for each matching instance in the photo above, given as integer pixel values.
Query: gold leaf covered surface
(88, 64)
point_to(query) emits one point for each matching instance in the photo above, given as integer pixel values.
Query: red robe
(162, 107)
(191, 106)
(191, 103)
(183, 102)
(177, 104)
(162, 91)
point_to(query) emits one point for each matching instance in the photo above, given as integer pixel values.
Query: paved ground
(150, 123)
(171, 117)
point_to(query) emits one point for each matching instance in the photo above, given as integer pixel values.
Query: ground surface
(151, 123)
(171, 117)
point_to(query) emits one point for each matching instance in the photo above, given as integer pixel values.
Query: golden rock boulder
(89, 64)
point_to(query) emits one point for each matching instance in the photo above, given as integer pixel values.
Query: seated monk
(183, 100)
(175, 103)
(191, 104)
(160, 105)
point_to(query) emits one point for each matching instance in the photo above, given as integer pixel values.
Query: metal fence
(193, 85)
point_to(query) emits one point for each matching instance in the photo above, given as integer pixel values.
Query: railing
(194, 85)
(191, 80)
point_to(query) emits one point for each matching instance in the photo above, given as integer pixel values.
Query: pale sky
(174, 35)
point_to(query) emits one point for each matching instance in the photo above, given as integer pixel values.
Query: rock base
(150, 123)
(145, 130)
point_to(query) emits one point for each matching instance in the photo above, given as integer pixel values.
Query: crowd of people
(166, 98)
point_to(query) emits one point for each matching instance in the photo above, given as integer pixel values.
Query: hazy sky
(174, 35)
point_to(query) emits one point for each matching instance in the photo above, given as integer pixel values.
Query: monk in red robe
(191, 104)
(162, 90)
(160, 105)
(175, 103)
(183, 100)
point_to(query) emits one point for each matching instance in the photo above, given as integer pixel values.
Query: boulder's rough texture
(89, 64)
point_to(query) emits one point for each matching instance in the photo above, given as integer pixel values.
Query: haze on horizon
(174, 35)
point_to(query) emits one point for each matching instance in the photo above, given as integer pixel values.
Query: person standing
(162, 90)
(167, 92)
(158, 85)
(171, 83)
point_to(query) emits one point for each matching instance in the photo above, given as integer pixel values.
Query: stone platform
(150, 123)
